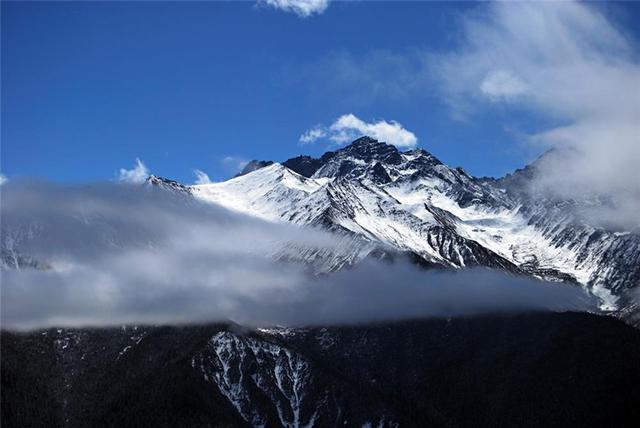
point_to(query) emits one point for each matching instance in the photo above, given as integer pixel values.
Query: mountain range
(393, 201)
(496, 369)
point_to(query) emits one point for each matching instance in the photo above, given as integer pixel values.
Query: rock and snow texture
(500, 370)
(243, 367)
(380, 201)
(269, 383)
(411, 202)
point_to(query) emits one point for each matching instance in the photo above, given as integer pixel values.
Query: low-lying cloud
(119, 254)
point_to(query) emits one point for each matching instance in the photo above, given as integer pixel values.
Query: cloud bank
(302, 8)
(138, 174)
(348, 127)
(568, 62)
(116, 254)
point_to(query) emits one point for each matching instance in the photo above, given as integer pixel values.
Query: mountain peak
(167, 184)
(358, 157)
(368, 143)
(365, 140)
(252, 166)
(368, 149)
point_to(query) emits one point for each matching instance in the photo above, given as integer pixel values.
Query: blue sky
(89, 87)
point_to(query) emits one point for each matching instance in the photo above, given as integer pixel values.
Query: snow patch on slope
(239, 365)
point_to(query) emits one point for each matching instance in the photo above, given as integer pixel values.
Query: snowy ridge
(411, 202)
(269, 192)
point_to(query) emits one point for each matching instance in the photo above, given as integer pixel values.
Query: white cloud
(312, 135)
(568, 62)
(201, 177)
(3, 179)
(118, 255)
(138, 174)
(502, 84)
(348, 127)
(234, 163)
(302, 8)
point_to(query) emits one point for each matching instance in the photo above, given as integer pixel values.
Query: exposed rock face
(380, 201)
(411, 202)
(167, 184)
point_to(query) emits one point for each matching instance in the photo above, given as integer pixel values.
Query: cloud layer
(348, 127)
(114, 254)
(302, 8)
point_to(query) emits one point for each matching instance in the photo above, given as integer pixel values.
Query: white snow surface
(400, 214)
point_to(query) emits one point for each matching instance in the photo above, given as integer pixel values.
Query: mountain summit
(411, 202)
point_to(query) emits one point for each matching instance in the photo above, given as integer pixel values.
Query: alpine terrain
(505, 369)
(441, 216)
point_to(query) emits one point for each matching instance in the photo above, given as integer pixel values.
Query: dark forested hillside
(539, 369)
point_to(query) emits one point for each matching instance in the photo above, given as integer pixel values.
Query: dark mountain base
(541, 369)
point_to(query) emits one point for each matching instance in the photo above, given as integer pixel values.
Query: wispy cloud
(500, 85)
(302, 8)
(121, 254)
(138, 174)
(234, 164)
(364, 77)
(201, 177)
(3, 179)
(348, 127)
(312, 135)
(567, 61)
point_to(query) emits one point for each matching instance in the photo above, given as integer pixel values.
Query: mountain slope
(412, 202)
(539, 369)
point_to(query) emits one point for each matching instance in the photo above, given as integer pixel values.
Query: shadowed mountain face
(442, 216)
(539, 369)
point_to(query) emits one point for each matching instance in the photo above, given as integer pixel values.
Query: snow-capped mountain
(412, 202)
(166, 184)
(533, 369)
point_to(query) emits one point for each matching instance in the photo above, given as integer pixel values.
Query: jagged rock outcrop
(411, 202)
